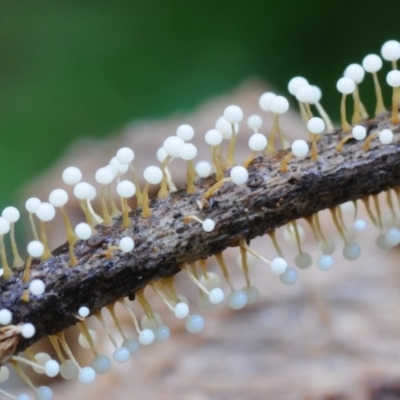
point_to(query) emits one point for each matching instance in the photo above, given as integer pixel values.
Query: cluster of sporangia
(151, 327)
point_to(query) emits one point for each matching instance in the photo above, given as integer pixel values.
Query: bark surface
(164, 242)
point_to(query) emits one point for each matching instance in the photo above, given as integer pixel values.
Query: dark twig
(165, 242)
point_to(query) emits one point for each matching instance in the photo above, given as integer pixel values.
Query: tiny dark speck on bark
(255, 181)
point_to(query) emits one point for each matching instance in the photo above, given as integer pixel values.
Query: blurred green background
(85, 68)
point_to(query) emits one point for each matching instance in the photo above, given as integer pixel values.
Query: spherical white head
(345, 85)
(372, 63)
(203, 169)
(5, 316)
(126, 244)
(303, 260)
(390, 50)
(239, 175)
(325, 262)
(44, 393)
(32, 204)
(316, 125)
(185, 132)
(386, 136)
(213, 137)
(58, 198)
(257, 142)
(208, 225)
(188, 152)
(359, 132)
(11, 214)
(83, 312)
(295, 83)
(279, 265)
(289, 277)
(393, 78)
(153, 175)
(355, 72)
(102, 364)
(45, 212)
(237, 299)
(28, 330)
(83, 231)
(69, 370)
(216, 296)
(131, 344)
(104, 175)
(181, 310)
(351, 251)
(392, 237)
(35, 249)
(86, 375)
(306, 94)
(233, 114)
(279, 105)
(254, 122)
(226, 128)
(172, 145)
(327, 247)
(72, 175)
(120, 168)
(125, 155)
(146, 337)
(360, 225)
(37, 287)
(126, 189)
(121, 355)
(52, 368)
(194, 324)
(82, 190)
(161, 155)
(265, 101)
(300, 148)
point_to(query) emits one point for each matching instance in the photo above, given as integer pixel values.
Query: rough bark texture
(164, 242)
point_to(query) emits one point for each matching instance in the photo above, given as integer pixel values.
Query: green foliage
(75, 68)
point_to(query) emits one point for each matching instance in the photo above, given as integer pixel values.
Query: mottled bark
(164, 242)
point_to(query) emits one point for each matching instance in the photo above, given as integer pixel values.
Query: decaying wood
(165, 242)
